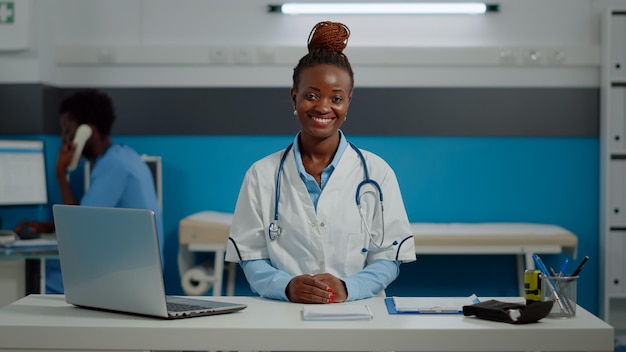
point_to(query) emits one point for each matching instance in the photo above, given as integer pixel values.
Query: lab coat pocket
(353, 253)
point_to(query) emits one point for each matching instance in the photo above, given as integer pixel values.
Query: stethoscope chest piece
(274, 231)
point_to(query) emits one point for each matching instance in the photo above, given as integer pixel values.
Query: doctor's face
(321, 100)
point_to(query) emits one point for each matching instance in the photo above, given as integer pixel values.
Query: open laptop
(110, 260)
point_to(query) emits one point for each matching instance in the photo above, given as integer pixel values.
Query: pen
(580, 266)
(552, 272)
(545, 272)
(563, 268)
(540, 265)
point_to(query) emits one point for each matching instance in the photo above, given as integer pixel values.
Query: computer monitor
(22, 173)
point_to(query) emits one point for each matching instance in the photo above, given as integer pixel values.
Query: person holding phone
(119, 178)
(309, 224)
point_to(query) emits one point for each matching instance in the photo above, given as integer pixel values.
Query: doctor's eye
(338, 99)
(310, 96)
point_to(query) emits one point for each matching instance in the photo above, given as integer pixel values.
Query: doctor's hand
(308, 289)
(336, 284)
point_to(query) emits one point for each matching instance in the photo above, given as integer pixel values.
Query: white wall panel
(90, 21)
(18, 68)
(154, 42)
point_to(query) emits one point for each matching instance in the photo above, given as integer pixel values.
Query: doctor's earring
(295, 112)
(345, 117)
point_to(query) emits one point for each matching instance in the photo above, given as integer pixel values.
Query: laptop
(110, 260)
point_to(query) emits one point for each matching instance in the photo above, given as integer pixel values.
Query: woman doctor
(309, 225)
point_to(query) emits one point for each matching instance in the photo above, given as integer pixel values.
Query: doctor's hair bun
(329, 35)
(326, 43)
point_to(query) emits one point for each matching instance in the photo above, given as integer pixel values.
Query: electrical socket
(557, 57)
(265, 55)
(533, 57)
(507, 57)
(219, 55)
(105, 55)
(243, 55)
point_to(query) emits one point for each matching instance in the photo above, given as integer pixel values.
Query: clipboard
(431, 305)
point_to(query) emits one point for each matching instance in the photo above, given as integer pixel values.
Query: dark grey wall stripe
(21, 108)
(268, 111)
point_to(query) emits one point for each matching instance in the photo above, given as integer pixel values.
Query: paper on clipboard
(433, 304)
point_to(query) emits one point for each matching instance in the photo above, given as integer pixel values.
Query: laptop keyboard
(181, 307)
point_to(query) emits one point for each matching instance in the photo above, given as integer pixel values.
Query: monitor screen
(22, 173)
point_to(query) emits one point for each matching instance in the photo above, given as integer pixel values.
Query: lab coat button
(321, 224)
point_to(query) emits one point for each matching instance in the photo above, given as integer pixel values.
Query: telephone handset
(83, 133)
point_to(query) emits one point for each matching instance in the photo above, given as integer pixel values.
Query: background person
(317, 245)
(119, 177)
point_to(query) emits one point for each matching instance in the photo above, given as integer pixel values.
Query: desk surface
(274, 325)
(38, 248)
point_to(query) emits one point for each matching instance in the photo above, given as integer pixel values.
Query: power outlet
(265, 55)
(533, 57)
(557, 57)
(507, 57)
(105, 55)
(243, 56)
(219, 55)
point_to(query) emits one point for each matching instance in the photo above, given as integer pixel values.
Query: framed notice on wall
(14, 19)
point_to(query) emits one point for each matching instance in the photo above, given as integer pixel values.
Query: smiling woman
(331, 242)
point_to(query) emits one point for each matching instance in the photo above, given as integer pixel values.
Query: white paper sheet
(336, 311)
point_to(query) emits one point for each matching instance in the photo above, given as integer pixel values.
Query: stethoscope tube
(274, 230)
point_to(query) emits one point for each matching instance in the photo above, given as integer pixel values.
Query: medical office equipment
(208, 231)
(274, 230)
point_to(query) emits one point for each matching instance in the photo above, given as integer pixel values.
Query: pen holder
(561, 290)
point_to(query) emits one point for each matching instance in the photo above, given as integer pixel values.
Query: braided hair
(326, 43)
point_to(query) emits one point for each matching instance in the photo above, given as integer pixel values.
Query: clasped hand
(320, 288)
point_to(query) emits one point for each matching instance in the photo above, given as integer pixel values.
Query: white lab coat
(331, 240)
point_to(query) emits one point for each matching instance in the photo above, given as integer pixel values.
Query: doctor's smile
(322, 121)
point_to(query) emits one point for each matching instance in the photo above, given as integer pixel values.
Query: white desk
(16, 279)
(207, 231)
(46, 322)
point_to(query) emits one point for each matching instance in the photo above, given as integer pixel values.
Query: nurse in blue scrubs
(119, 177)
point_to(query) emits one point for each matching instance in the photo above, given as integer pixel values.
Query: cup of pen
(562, 291)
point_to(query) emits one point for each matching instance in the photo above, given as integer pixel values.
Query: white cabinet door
(617, 116)
(617, 193)
(616, 280)
(618, 47)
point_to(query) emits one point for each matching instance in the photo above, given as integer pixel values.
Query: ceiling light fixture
(371, 8)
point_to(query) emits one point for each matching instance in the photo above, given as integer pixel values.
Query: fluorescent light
(365, 8)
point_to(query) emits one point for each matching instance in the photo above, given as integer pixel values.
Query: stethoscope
(274, 230)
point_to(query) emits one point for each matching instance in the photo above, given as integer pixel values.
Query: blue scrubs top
(119, 179)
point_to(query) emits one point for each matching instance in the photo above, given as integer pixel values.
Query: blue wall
(443, 179)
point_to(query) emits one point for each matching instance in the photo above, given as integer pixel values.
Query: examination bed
(207, 231)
